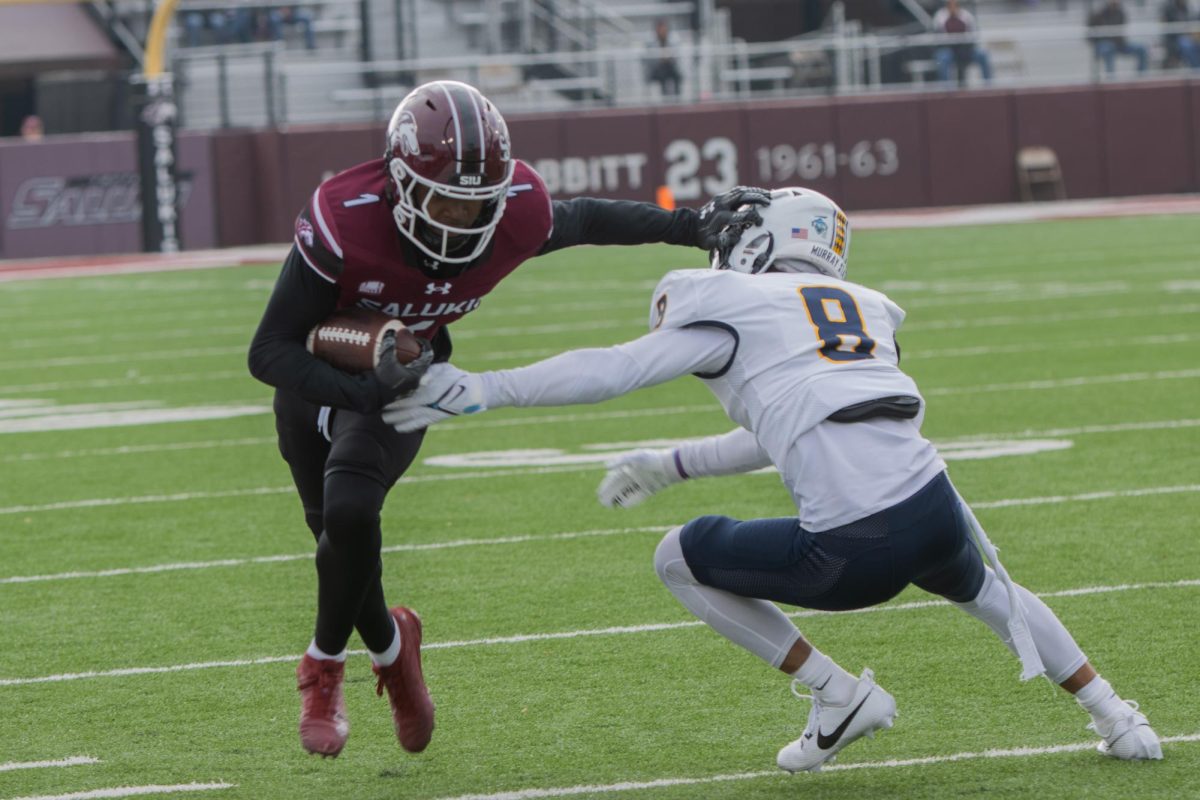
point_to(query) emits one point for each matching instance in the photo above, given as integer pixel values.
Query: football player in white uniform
(807, 365)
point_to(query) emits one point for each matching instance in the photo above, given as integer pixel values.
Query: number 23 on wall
(683, 157)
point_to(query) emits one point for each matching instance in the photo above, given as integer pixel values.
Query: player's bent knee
(669, 562)
(348, 520)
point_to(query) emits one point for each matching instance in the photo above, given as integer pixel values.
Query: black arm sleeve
(588, 220)
(279, 358)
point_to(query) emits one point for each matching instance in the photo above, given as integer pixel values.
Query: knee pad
(351, 514)
(345, 518)
(669, 562)
(990, 605)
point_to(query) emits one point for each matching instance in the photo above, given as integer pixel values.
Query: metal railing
(267, 87)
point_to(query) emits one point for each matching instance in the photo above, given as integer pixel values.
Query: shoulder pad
(682, 297)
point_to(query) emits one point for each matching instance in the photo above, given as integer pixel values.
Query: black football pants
(342, 481)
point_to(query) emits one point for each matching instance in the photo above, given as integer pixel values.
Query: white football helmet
(800, 225)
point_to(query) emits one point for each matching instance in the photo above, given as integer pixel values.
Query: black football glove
(726, 210)
(401, 379)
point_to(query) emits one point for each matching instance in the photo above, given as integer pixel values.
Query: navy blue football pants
(924, 540)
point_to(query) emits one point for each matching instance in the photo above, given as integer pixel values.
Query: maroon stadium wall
(73, 195)
(79, 195)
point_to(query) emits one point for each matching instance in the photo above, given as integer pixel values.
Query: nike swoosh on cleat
(825, 742)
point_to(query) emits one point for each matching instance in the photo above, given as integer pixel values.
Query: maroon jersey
(347, 235)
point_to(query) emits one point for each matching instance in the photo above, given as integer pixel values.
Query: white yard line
(633, 325)
(72, 761)
(524, 538)
(127, 381)
(176, 356)
(258, 441)
(138, 449)
(280, 559)
(1065, 383)
(130, 791)
(563, 635)
(1069, 316)
(177, 497)
(804, 785)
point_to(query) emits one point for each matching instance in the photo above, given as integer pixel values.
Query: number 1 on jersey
(835, 317)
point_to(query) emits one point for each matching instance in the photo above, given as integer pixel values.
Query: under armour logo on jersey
(437, 288)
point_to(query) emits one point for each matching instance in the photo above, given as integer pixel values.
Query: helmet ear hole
(756, 255)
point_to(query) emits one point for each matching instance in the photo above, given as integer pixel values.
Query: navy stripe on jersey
(468, 126)
(737, 342)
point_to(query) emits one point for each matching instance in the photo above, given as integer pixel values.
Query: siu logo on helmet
(406, 132)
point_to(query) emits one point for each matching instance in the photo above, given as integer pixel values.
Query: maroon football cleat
(323, 723)
(412, 708)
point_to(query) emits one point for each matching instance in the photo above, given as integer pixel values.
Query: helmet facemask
(443, 242)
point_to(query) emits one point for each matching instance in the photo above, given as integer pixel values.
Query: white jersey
(808, 346)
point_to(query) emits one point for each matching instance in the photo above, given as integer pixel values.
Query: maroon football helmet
(447, 140)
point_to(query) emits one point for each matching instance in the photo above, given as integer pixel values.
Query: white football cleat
(830, 728)
(1127, 736)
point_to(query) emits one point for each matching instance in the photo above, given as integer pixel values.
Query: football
(351, 338)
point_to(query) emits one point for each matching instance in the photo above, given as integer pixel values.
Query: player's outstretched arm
(635, 476)
(589, 220)
(570, 378)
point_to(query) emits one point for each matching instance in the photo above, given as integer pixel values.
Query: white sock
(389, 656)
(1099, 699)
(829, 683)
(319, 654)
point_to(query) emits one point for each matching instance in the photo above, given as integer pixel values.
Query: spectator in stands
(1181, 46)
(226, 26)
(196, 22)
(661, 66)
(281, 17)
(957, 21)
(1108, 38)
(31, 128)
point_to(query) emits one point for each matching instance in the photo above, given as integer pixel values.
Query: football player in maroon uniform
(421, 234)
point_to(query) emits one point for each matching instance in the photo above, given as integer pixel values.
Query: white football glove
(445, 392)
(634, 476)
